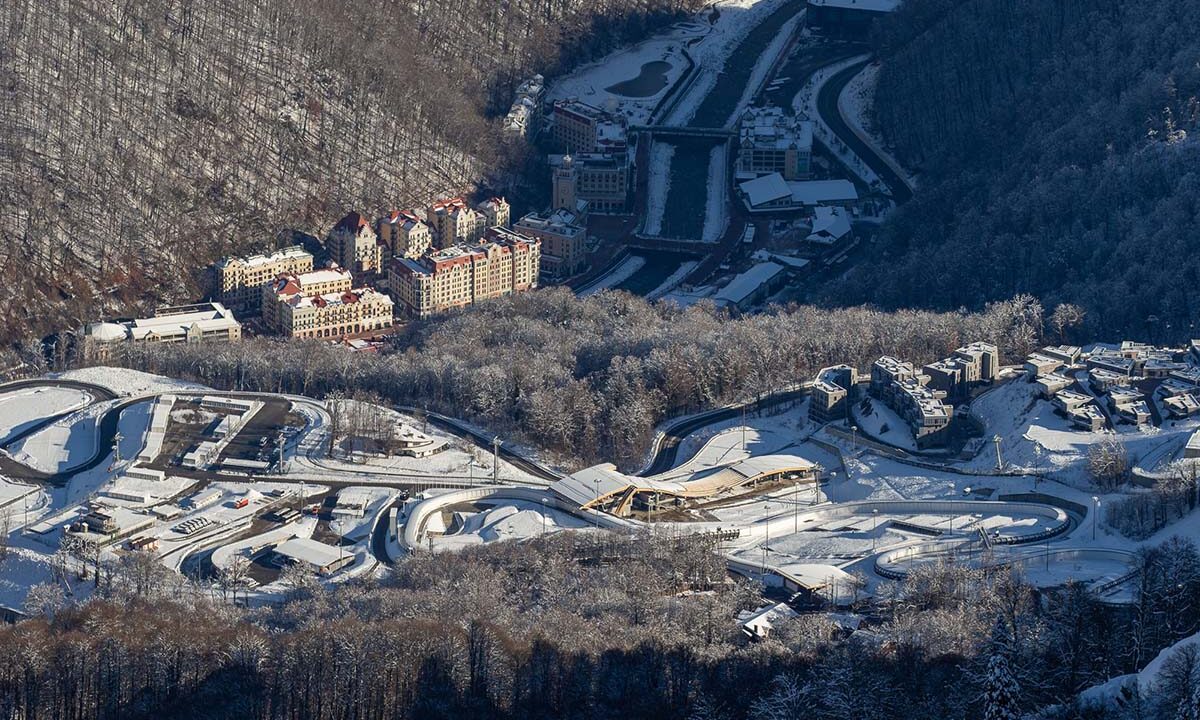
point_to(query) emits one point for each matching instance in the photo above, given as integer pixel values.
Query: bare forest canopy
(1058, 151)
(584, 625)
(141, 140)
(590, 379)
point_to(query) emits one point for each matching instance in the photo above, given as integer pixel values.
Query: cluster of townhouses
(919, 397)
(409, 263)
(1122, 381)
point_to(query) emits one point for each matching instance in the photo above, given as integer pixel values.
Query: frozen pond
(649, 83)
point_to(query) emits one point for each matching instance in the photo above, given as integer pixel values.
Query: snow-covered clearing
(1035, 438)
(627, 269)
(658, 186)
(855, 105)
(20, 409)
(128, 382)
(458, 459)
(884, 424)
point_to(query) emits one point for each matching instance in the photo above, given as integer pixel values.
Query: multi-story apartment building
(336, 314)
(899, 386)
(496, 212)
(240, 280)
(354, 245)
(564, 241)
(405, 234)
(525, 114)
(602, 180)
(968, 366)
(582, 128)
(832, 393)
(770, 141)
(285, 287)
(504, 263)
(454, 222)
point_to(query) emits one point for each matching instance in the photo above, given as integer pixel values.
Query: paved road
(827, 105)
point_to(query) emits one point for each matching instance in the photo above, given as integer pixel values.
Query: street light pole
(496, 460)
(767, 542)
(796, 508)
(874, 527)
(543, 516)
(1095, 513)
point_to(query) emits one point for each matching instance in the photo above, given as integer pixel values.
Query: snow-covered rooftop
(745, 284)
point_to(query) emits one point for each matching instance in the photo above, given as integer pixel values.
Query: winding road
(827, 105)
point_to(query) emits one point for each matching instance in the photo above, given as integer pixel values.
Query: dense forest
(590, 379)
(1058, 157)
(587, 625)
(141, 140)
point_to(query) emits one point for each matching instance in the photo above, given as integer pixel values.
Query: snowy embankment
(855, 104)
(716, 219)
(673, 281)
(805, 103)
(658, 187)
(1112, 695)
(619, 274)
(737, 19)
(762, 68)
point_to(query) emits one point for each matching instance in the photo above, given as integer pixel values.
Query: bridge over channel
(682, 131)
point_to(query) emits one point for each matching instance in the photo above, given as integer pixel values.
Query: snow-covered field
(19, 409)
(884, 424)
(1035, 438)
(591, 83)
